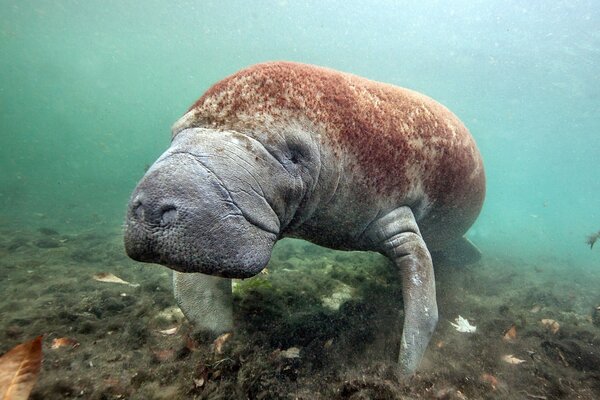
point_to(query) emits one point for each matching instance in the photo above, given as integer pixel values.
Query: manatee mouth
(183, 216)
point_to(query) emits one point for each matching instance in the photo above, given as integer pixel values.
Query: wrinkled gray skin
(216, 203)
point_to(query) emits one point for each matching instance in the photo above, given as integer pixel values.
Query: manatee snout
(182, 215)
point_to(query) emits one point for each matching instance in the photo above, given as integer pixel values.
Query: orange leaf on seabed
(19, 369)
(57, 343)
(490, 379)
(510, 334)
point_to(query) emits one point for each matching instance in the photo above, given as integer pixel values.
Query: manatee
(285, 149)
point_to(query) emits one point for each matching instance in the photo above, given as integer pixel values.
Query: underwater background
(90, 89)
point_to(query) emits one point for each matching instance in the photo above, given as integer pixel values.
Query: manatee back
(396, 143)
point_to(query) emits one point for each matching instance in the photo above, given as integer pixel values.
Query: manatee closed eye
(291, 150)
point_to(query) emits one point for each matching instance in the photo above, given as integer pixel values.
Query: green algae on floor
(344, 352)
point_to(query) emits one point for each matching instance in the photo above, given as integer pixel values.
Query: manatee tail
(461, 252)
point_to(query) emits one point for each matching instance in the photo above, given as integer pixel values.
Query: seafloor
(290, 341)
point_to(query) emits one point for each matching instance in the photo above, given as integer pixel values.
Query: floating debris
(292, 352)
(64, 342)
(552, 325)
(591, 239)
(19, 369)
(107, 277)
(220, 341)
(510, 334)
(462, 325)
(509, 358)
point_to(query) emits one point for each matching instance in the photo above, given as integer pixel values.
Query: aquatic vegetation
(341, 294)
(19, 369)
(288, 337)
(242, 287)
(591, 239)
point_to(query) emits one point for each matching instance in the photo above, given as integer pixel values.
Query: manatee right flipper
(206, 301)
(397, 236)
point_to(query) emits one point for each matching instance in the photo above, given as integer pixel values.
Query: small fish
(591, 239)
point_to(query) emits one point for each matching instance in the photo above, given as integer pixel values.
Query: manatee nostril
(138, 209)
(169, 214)
(147, 211)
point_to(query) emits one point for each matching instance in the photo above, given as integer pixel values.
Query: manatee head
(214, 203)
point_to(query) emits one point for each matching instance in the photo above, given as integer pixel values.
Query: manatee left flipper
(206, 301)
(397, 236)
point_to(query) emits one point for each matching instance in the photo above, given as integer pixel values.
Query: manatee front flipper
(397, 236)
(206, 301)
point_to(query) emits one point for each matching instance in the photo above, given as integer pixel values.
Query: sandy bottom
(319, 325)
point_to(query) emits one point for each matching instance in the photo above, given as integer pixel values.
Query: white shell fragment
(509, 358)
(168, 332)
(107, 277)
(292, 352)
(462, 325)
(552, 325)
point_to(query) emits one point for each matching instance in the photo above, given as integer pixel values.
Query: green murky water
(89, 90)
